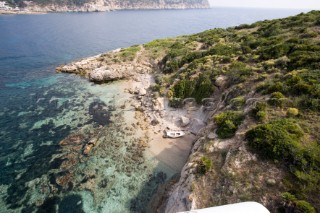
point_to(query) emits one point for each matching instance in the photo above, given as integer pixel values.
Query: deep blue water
(32, 121)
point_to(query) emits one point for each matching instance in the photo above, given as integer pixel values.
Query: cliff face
(104, 5)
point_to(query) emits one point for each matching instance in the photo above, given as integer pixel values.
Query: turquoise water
(39, 108)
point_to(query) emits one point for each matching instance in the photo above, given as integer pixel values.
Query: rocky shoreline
(152, 112)
(135, 65)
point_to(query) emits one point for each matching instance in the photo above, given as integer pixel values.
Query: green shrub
(228, 123)
(246, 49)
(198, 88)
(274, 51)
(224, 50)
(171, 66)
(243, 26)
(238, 102)
(205, 165)
(261, 116)
(183, 89)
(305, 207)
(130, 52)
(277, 99)
(259, 112)
(176, 102)
(203, 88)
(278, 140)
(292, 112)
(304, 59)
(286, 196)
(282, 62)
(159, 43)
(300, 205)
(272, 29)
(308, 103)
(226, 59)
(238, 72)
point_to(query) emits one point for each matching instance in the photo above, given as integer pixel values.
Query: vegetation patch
(291, 202)
(278, 140)
(269, 68)
(205, 165)
(282, 141)
(228, 123)
(130, 52)
(259, 112)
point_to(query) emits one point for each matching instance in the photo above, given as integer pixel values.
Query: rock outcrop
(184, 121)
(103, 74)
(103, 68)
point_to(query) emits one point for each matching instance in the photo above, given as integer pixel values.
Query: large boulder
(196, 126)
(184, 121)
(102, 74)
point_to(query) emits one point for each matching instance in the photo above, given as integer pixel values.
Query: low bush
(238, 102)
(277, 99)
(297, 205)
(228, 123)
(278, 140)
(205, 165)
(292, 112)
(259, 112)
(238, 72)
(305, 207)
(130, 52)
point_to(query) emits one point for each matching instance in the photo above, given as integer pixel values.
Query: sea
(39, 108)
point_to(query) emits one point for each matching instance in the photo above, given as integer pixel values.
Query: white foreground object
(174, 134)
(245, 207)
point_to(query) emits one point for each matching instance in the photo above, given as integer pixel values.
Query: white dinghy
(174, 134)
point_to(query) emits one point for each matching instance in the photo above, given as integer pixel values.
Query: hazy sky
(308, 4)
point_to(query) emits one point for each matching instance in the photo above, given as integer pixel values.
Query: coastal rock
(184, 121)
(82, 67)
(196, 126)
(102, 75)
(211, 136)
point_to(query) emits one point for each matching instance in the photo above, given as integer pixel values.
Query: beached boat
(174, 134)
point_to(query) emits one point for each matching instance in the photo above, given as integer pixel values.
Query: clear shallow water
(38, 108)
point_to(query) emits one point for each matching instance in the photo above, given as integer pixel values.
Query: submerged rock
(87, 149)
(99, 112)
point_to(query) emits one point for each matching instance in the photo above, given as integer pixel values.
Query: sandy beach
(157, 116)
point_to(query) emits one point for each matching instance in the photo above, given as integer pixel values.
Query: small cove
(39, 108)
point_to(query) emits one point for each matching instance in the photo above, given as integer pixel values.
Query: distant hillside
(105, 5)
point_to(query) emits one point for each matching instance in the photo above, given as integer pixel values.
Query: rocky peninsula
(247, 96)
